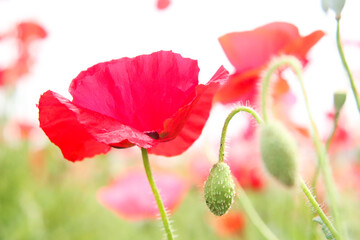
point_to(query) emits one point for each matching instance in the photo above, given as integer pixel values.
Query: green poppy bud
(335, 5)
(278, 152)
(219, 189)
(339, 100)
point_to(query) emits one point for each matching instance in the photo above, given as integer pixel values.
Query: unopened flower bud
(219, 189)
(279, 152)
(339, 100)
(335, 5)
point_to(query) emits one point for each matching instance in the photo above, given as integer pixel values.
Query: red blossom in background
(162, 4)
(232, 223)
(152, 101)
(250, 51)
(130, 195)
(25, 33)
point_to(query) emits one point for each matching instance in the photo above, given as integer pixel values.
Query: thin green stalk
(346, 66)
(318, 209)
(320, 149)
(253, 215)
(327, 146)
(230, 116)
(157, 196)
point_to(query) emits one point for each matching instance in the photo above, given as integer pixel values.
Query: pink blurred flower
(130, 195)
(162, 4)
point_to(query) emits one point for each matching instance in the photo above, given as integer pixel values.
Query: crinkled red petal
(197, 116)
(81, 133)
(140, 92)
(252, 49)
(130, 196)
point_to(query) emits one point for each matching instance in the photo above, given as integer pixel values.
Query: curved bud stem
(244, 200)
(157, 196)
(323, 161)
(227, 121)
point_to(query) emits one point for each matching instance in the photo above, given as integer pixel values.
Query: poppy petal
(134, 90)
(252, 49)
(198, 114)
(130, 195)
(83, 133)
(301, 46)
(30, 30)
(240, 87)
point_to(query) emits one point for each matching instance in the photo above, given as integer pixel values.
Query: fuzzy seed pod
(219, 189)
(279, 152)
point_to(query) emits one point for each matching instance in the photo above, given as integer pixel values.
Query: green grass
(52, 201)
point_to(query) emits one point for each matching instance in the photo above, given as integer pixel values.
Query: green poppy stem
(157, 196)
(346, 66)
(318, 210)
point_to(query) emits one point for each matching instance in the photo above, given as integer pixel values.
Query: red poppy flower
(250, 51)
(130, 195)
(152, 101)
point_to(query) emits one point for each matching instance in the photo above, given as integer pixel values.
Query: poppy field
(120, 122)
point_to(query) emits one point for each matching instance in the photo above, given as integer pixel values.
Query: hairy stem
(318, 209)
(227, 121)
(157, 196)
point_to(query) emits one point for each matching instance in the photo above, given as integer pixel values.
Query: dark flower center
(153, 135)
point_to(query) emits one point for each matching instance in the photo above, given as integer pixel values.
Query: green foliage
(50, 200)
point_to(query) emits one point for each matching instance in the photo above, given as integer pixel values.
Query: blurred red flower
(162, 4)
(152, 101)
(25, 34)
(232, 223)
(29, 31)
(250, 51)
(130, 195)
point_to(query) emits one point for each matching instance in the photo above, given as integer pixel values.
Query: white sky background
(85, 32)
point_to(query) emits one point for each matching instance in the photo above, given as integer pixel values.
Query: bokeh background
(43, 196)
